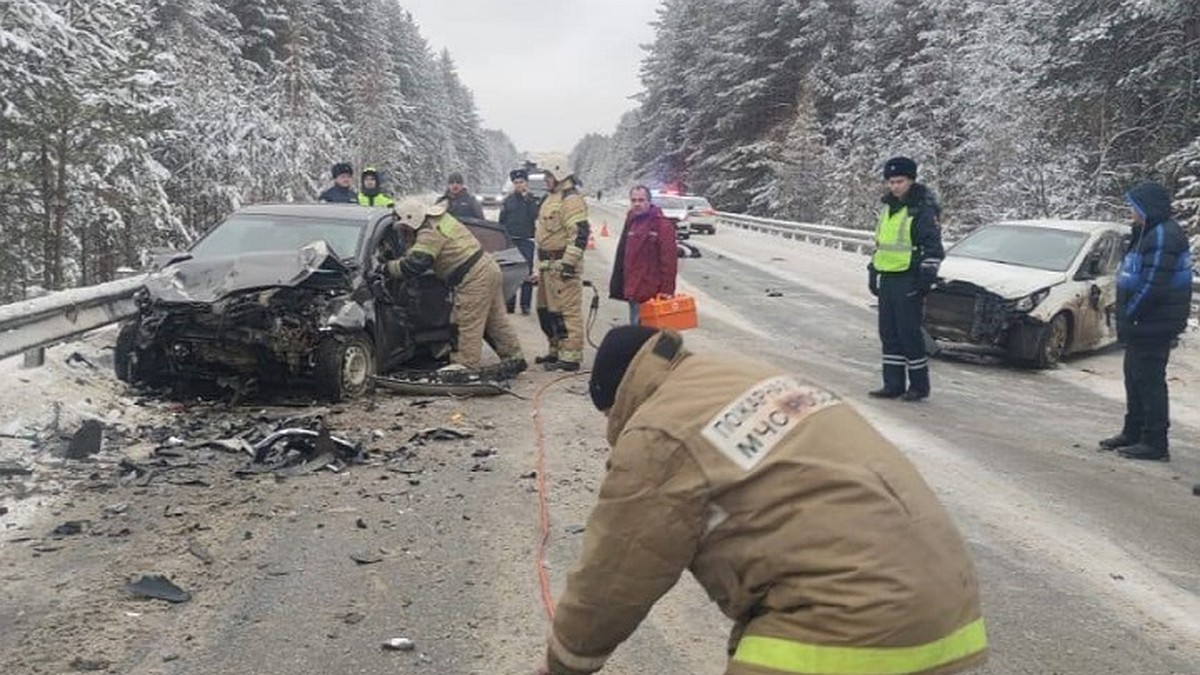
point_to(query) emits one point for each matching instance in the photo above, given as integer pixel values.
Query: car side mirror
(1091, 268)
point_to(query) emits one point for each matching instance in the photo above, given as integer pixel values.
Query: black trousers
(526, 247)
(901, 312)
(1147, 412)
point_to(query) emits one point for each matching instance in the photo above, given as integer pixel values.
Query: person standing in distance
(908, 252)
(341, 192)
(647, 260)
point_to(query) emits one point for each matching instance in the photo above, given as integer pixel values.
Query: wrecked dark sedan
(1032, 291)
(287, 294)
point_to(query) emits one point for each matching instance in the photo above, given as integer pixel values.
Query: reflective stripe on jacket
(893, 241)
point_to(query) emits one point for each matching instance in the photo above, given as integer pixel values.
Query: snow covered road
(1088, 562)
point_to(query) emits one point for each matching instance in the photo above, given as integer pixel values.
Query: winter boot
(884, 392)
(1145, 451)
(568, 366)
(1121, 440)
(545, 358)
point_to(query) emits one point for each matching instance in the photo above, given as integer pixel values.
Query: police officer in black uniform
(518, 215)
(908, 251)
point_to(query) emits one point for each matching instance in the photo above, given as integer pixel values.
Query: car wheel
(345, 364)
(1052, 342)
(132, 365)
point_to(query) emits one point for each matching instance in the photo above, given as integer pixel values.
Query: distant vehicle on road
(675, 208)
(1032, 291)
(490, 196)
(293, 293)
(701, 216)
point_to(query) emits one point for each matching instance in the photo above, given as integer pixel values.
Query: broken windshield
(1039, 247)
(242, 233)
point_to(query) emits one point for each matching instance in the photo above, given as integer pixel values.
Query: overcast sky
(545, 72)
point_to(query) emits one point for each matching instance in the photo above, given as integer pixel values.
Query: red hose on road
(539, 432)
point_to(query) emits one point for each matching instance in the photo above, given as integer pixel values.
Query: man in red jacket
(647, 256)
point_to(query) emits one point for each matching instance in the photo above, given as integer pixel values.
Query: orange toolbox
(677, 312)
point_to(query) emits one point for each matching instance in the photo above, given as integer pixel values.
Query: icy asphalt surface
(1089, 564)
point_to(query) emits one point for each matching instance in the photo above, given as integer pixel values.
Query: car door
(1096, 322)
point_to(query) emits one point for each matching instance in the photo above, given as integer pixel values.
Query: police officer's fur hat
(456, 177)
(900, 166)
(518, 174)
(341, 168)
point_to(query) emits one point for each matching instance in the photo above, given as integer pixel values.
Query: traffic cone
(591, 242)
(604, 230)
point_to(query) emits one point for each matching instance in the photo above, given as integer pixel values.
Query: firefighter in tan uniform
(441, 243)
(561, 237)
(806, 527)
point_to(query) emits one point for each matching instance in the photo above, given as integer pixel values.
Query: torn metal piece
(158, 587)
(420, 388)
(399, 645)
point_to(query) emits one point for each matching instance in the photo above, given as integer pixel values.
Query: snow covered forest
(1013, 108)
(130, 124)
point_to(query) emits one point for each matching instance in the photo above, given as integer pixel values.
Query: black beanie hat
(900, 166)
(341, 168)
(518, 174)
(616, 352)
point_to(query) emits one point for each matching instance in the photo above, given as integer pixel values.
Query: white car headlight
(1029, 302)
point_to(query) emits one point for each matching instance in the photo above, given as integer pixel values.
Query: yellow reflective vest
(379, 199)
(893, 241)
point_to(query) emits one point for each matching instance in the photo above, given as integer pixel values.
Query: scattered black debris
(575, 529)
(89, 665)
(1117, 577)
(167, 658)
(302, 451)
(69, 528)
(201, 553)
(423, 403)
(158, 587)
(76, 357)
(366, 557)
(14, 469)
(360, 524)
(3, 510)
(399, 645)
(485, 453)
(86, 441)
(481, 467)
(352, 618)
(774, 293)
(532, 475)
(174, 511)
(440, 434)
(1196, 489)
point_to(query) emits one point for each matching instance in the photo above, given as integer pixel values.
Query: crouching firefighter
(442, 244)
(908, 253)
(806, 527)
(561, 235)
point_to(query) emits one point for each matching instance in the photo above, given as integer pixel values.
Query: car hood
(1007, 281)
(208, 280)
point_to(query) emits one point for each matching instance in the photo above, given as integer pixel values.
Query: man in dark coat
(341, 191)
(1154, 298)
(518, 215)
(458, 200)
(908, 252)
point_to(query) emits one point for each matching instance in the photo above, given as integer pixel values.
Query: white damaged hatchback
(1032, 291)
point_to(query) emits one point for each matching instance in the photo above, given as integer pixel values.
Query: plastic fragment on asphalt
(399, 645)
(158, 587)
(86, 441)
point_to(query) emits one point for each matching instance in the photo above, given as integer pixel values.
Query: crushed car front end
(970, 317)
(256, 317)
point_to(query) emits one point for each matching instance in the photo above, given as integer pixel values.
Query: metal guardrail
(860, 241)
(843, 238)
(32, 325)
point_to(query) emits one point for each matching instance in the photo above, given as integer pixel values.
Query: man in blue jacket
(1154, 298)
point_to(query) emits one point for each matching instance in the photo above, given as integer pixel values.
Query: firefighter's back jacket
(807, 527)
